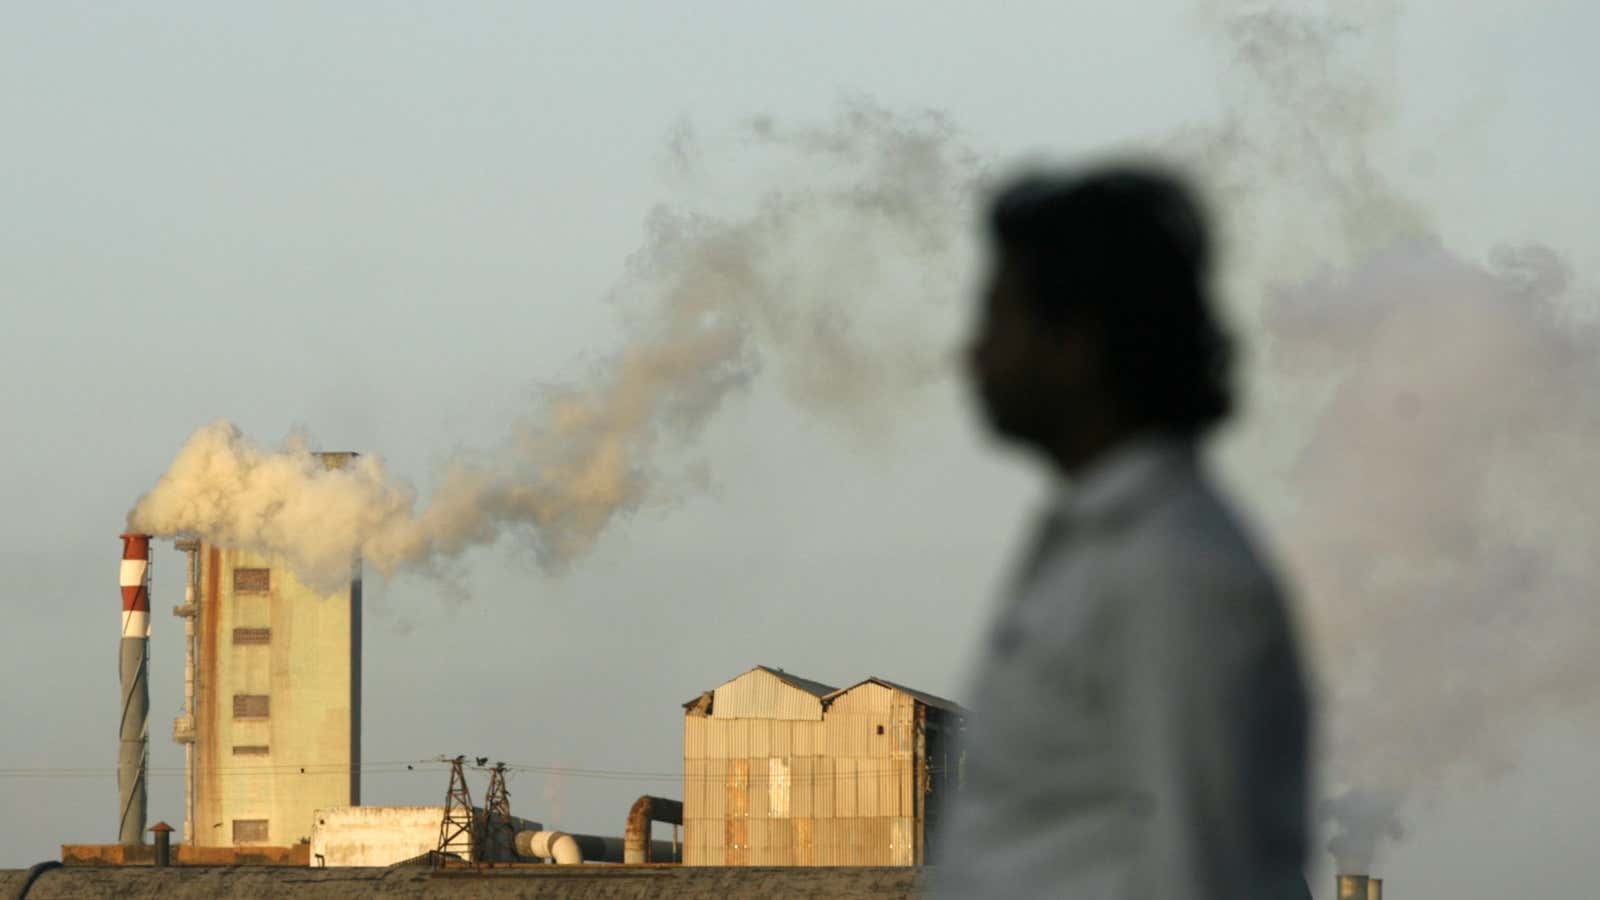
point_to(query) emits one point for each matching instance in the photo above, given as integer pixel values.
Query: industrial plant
(789, 785)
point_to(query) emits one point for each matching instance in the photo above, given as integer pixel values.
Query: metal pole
(183, 731)
(133, 749)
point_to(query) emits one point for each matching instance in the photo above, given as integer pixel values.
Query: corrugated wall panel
(804, 848)
(694, 737)
(869, 777)
(694, 842)
(737, 790)
(780, 842)
(823, 850)
(851, 848)
(881, 835)
(904, 849)
(888, 787)
(905, 781)
(878, 733)
(760, 695)
(759, 806)
(905, 739)
(847, 734)
(717, 738)
(779, 787)
(825, 776)
(715, 834)
(737, 844)
(865, 699)
(802, 781)
(715, 856)
(694, 788)
(760, 738)
(716, 797)
(847, 842)
(802, 737)
(781, 740)
(844, 787)
(739, 739)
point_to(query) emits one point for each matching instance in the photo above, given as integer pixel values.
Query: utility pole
(499, 834)
(457, 831)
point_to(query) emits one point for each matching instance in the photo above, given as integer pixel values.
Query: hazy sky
(389, 227)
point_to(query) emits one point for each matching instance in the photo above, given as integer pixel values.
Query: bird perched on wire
(482, 760)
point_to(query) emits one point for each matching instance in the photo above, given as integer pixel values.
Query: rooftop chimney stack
(133, 750)
(1359, 887)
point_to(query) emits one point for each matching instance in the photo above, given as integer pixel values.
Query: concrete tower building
(277, 724)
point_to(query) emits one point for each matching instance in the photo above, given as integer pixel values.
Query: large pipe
(573, 849)
(133, 749)
(645, 810)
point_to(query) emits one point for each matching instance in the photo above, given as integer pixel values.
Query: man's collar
(1121, 478)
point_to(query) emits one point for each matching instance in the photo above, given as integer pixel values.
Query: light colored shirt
(1139, 722)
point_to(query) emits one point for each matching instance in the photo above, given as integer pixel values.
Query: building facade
(277, 725)
(781, 770)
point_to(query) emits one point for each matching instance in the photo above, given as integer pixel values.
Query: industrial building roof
(814, 688)
(826, 693)
(922, 696)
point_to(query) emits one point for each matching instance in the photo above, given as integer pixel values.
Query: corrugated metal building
(785, 771)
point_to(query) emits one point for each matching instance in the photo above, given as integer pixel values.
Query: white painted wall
(380, 835)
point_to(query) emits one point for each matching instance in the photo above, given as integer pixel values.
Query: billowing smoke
(1365, 818)
(858, 220)
(1443, 499)
(1445, 507)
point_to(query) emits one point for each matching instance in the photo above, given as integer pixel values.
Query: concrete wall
(304, 754)
(842, 791)
(373, 835)
(385, 835)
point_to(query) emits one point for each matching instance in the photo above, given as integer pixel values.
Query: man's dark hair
(1125, 252)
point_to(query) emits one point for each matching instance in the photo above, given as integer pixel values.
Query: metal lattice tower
(457, 831)
(499, 834)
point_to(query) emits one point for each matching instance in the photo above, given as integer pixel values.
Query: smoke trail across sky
(860, 220)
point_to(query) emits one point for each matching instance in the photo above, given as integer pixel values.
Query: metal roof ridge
(927, 698)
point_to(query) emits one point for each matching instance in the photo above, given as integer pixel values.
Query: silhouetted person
(1139, 726)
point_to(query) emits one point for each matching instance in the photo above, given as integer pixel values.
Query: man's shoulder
(1191, 541)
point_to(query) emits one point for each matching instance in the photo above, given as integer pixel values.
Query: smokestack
(1359, 887)
(133, 750)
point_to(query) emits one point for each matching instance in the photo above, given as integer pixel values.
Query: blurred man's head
(1095, 321)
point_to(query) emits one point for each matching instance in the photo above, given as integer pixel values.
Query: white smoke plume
(1444, 500)
(857, 219)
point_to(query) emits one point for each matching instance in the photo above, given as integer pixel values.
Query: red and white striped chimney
(133, 749)
(136, 586)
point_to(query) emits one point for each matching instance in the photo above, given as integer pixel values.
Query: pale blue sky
(388, 225)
